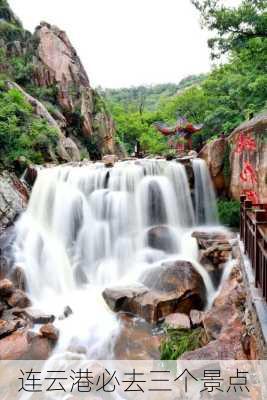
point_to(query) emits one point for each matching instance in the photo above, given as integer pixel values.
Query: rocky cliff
(238, 164)
(49, 72)
(248, 159)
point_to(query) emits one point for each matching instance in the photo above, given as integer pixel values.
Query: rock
(118, 299)
(173, 287)
(30, 174)
(35, 316)
(50, 332)
(18, 346)
(209, 239)
(57, 64)
(252, 129)
(67, 311)
(6, 288)
(13, 198)
(178, 320)
(7, 327)
(223, 324)
(2, 308)
(18, 277)
(196, 318)
(218, 253)
(225, 348)
(160, 237)
(214, 153)
(136, 340)
(110, 159)
(19, 299)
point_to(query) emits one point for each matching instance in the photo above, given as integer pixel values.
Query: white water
(205, 200)
(87, 228)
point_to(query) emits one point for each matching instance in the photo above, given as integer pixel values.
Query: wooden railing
(253, 232)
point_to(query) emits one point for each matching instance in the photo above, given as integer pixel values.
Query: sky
(126, 43)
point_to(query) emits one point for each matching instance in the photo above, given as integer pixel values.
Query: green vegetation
(179, 341)
(230, 94)
(229, 212)
(22, 134)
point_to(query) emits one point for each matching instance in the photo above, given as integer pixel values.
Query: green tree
(233, 27)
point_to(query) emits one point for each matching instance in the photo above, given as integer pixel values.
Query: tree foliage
(22, 134)
(233, 27)
(233, 91)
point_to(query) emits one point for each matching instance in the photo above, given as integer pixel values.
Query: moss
(179, 341)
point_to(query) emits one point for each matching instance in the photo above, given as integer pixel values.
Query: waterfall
(205, 199)
(89, 227)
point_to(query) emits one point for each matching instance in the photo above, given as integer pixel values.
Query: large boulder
(248, 143)
(136, 340)
(170, 288)
(20, 345)
(213, 153)
(160, 237)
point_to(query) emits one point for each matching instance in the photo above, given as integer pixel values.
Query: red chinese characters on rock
(252, 196)
(248, 176)
(245, 143)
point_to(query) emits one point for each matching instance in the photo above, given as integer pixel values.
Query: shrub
(22, 133)
(229, 212)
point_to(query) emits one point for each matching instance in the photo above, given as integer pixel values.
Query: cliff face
(57, 65)
(48, 69)
(247, 163)
(249, 160)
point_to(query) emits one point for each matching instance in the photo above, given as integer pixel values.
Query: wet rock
(18, 277)
(209, 239)
(177, 321)
(175, 276)
(217, 254)
(50, 332)
(19, 346)
(227, 307)
(223, 323)
(19, 299)
(30, 174)
(7, 327)
(196, 318)
(118, 299)
(67, 311)
(136, 340)
(6, 288)
(173, 287)
(110, 159)
(35, 316)
(160, 237)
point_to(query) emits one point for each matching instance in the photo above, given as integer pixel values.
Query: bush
(179, 341)
(22, 133)
(229, 213)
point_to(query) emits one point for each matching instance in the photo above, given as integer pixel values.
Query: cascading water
(205, 200)
(89, 227)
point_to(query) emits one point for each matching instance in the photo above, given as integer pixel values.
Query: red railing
(253, 232)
